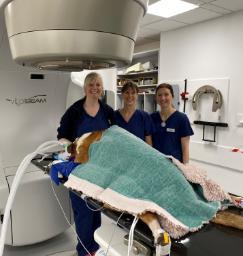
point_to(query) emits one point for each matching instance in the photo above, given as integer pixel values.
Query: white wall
(208, 50)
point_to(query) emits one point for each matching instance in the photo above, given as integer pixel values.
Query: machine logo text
(34, 99)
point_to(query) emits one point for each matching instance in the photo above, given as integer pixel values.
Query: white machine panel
(110, 236)
(36, 215)
(30, 110)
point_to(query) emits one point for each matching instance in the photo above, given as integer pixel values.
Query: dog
(79, 150)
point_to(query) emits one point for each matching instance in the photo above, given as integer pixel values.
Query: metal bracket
(214, 124)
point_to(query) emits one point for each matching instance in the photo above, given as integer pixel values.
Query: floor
(62, 245)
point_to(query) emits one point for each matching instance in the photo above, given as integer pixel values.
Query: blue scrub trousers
(86, 222)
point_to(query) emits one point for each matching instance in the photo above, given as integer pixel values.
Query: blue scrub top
(140, 123)
(167, 139)
(85, 124)
(75, 122)
(89, 123)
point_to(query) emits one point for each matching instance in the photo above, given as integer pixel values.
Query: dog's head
(79, 149)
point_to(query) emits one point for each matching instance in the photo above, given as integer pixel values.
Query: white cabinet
(119, 102)
(147, 82)
(150, 103)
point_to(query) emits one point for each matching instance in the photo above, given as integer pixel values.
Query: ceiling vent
(72, 35)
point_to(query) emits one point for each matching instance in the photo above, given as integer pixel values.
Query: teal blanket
(129, 175)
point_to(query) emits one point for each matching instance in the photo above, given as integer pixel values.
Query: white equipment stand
(109, 234)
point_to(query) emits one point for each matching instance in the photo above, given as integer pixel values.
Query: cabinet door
(176, 100)
(119, 102)
(149, 103)
(140, 102)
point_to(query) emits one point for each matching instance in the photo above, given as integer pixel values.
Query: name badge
(170, 130)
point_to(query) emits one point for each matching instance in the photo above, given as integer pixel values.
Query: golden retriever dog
(79, 150)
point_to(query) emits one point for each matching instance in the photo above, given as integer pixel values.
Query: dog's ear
(83, 143)
(82, 155)
(71, 149)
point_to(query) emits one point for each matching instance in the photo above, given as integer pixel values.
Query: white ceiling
(151, 25)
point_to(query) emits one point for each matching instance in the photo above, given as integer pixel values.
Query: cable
(43, 157)
(65, 216)
(112, 234)
(87, 204)
(131, 233)
(19, 173)
(113, 231)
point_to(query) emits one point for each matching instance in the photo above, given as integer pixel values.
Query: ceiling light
(169, 8)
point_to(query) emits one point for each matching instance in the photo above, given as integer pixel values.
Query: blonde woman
(86, 115)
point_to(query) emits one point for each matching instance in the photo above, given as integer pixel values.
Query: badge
(170, 130)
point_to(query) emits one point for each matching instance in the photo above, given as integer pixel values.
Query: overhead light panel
(169, 8)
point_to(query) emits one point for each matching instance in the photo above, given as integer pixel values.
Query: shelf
(210, 123)
(213, 124)
(140, 93)
(139, 73)
(140, 85)
(146, 81)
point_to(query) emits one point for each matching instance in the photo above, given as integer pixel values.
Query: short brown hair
(129, 84)
(167, 86)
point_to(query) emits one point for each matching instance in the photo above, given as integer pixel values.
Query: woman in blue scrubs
(86, 115)
(172, 129)
(137, 122)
